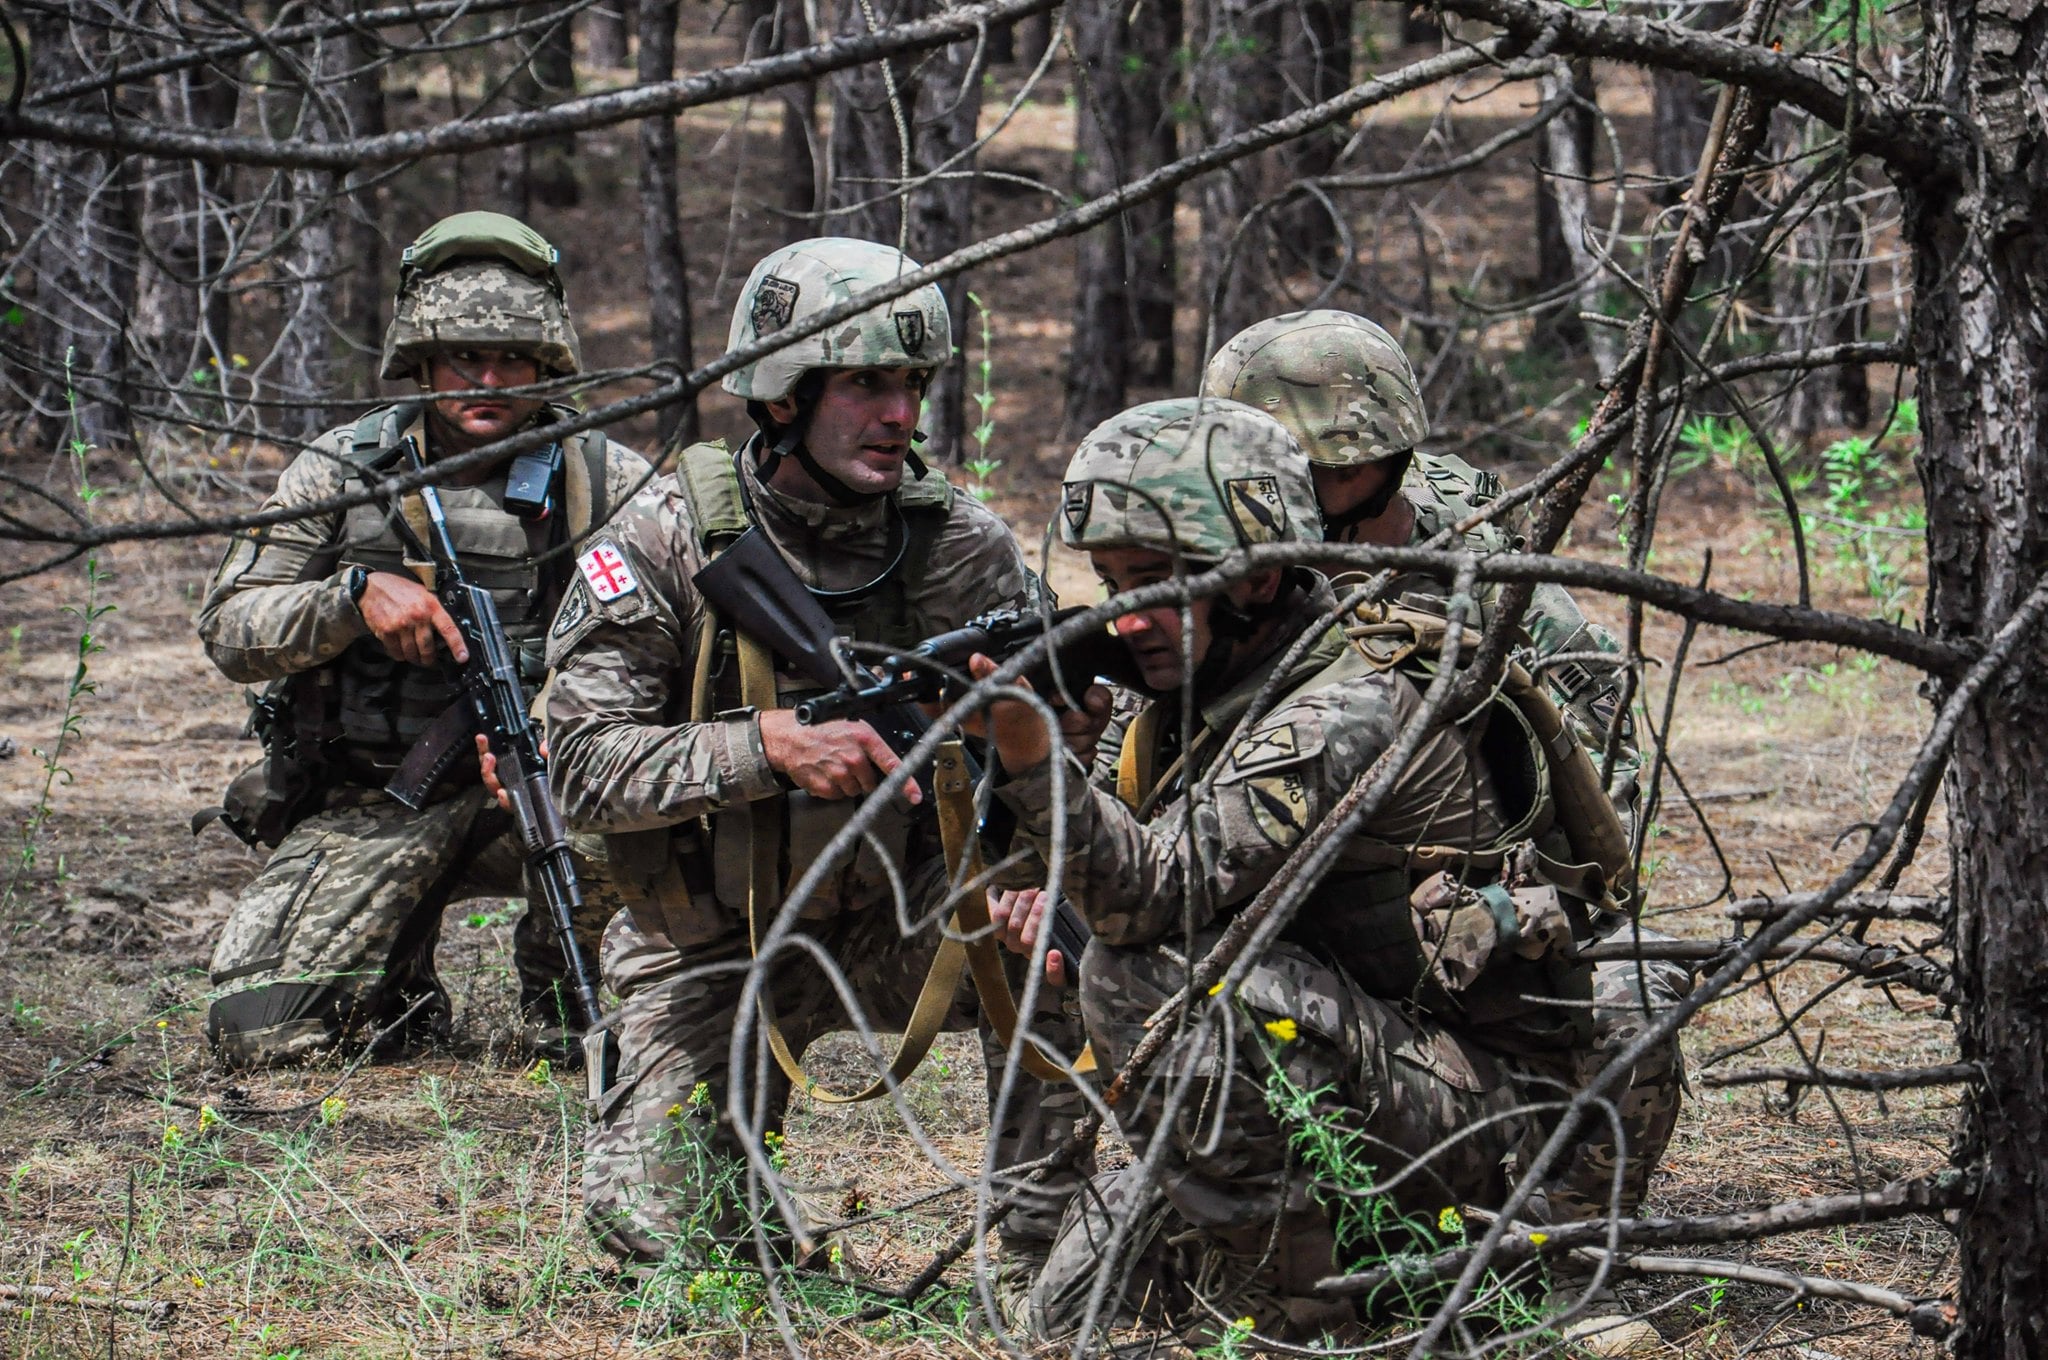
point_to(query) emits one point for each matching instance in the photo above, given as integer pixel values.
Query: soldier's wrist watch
(358, 582)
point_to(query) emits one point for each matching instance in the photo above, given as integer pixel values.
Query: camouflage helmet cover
(480, 279)
(1339, 383)
(1197, 476)
(801, 280)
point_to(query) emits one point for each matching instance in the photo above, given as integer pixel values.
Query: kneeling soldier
(336, 937)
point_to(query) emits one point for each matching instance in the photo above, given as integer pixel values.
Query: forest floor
(431, 1206)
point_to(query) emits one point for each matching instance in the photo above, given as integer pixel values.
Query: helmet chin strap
(786, 441)
(1373, 506)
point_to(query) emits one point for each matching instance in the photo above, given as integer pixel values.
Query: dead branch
(1879, 963)
(1856, 906)
(1854, 1079)
(155, 1313)
(1929, 1194)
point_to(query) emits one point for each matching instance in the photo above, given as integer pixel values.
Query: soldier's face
(860, 428)
(1154, 636)
(1339, 489)
(469, 422)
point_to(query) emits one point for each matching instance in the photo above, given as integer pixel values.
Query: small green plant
(981, 467)
(71, 722)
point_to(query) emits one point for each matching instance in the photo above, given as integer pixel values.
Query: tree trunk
(84, 257)
(362, 287)
(774, 26)
(1681, 107)
(1980, 335)
(1564, 158)
(183, 307)
(1123, 299)
(939, 99)
(1236, 86)
(605, 32)
(541, 171)
(1315, 53)
(661, 223)
(1820, 291)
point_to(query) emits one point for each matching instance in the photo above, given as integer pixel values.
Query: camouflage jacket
(278, 603)
(1141, 878)
(626, 756)
(1444, 491)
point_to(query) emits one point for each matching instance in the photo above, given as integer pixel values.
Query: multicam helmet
(480, 278)
(1339, 383)
(1196, 476)
(801, 280)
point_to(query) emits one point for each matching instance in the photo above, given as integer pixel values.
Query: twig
(1930, 1194)
(1934, 1318)
(1899, 1079)
(155, 1313)
(1879, 906)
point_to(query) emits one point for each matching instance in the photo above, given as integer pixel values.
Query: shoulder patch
(607, 572)
(1276, 746)
(1279, 805)
(576, 607)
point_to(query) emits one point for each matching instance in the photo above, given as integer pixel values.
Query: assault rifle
(750, 584)
(493, 704)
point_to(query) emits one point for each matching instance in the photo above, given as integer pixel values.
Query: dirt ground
(430, 1207)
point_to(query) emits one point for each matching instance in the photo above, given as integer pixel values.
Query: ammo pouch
(267, 800)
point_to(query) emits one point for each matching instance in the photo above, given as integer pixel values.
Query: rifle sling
(967, 943)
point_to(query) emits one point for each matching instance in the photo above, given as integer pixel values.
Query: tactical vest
(710, 481)
(660, 871)
(1561, 833)
(385, 704)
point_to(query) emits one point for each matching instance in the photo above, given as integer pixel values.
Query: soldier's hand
(1081, 728)
(841, 759)
(408, 621)
(1018, 914)
(489, 763)
(1019, 733)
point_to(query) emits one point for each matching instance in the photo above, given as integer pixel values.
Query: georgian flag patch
(604, 567)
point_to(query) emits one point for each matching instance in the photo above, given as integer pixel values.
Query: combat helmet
(1198, 477)
(480, 278)
(1339, 383)
(798, 281)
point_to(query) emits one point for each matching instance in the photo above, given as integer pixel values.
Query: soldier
(1345, 390)
(1425, 989)
(335, 938)
(673, 737)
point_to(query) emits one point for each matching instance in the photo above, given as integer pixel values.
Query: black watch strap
(358, 582)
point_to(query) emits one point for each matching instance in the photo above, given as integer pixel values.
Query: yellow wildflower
(1283, 1029)
(541, 1072)
(1537, 1239)
(1450, 1220)
(1217, 990)
(163, 1024)
(173, 1136)
(207, 1118)
(700, 1095)
(675, 1111)
(332, 1109)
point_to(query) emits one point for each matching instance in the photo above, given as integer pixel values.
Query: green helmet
(1339, 383)
(1196, 476)
(801, 280)
(480, 278)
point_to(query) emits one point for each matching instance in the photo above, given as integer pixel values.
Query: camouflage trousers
(336, 935)
(664, 1168)
(1219, 1220)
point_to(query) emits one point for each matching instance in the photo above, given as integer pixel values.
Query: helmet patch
(910, 329)
(1076, 500)
(1256, 508)
(774, 304)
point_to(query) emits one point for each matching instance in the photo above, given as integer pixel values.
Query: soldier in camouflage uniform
(1345, 390)
(661, 749)
(1426, 988)
(335, 938)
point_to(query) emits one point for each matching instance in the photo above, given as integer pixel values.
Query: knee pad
(285, 1022)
